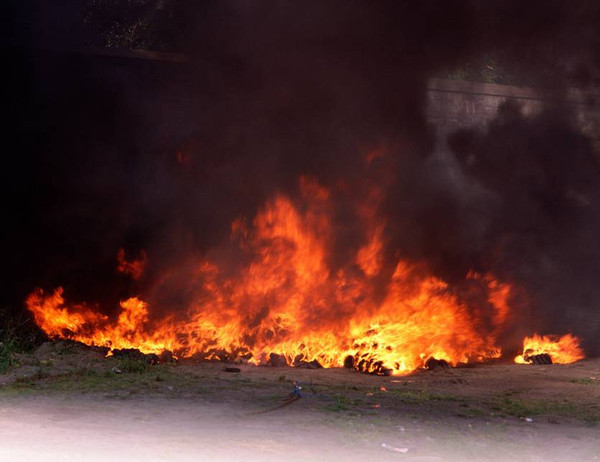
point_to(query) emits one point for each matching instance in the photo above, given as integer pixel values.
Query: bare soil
(69, 403)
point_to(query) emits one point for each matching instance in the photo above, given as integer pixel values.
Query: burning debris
(543, 358)
(299, 362)
(295, 236)
(315, 316)
(136, 355)
(276, 360)
(366, 365)
(550, 349)
(433, 363)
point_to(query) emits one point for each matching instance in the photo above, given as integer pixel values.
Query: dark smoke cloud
(274, 90)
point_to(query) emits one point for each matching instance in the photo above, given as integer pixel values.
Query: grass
(472, 412)
(340, 403)
(18, 334)
(527, 408)
(90, 380)
(586, 381)
(421, 396)
(130, 378)
(133, 366)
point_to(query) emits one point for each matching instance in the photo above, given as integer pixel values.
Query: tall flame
(288, 299)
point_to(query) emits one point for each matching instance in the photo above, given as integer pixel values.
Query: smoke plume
(162, 157)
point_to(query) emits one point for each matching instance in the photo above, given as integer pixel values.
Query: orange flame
(562, 350)
(289, 299)
(131, 329)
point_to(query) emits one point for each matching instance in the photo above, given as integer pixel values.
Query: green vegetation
(92, 380)
(18, 333)
(526, 408)
(340, 403)
(132, 366)
(420, 396)
(8, 347)
(586, 381)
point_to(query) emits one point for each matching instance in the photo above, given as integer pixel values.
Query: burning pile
(287, 301)
(548, 349)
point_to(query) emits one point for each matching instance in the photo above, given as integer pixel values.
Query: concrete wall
(454, 104)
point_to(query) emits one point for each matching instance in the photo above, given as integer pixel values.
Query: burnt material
(276, 360)
(302, 364)
(349, 362)
(166, 357)
(135, 354)
(433, 363)
(543, 358)
(100, 350)
(233, 369)
(370, 366)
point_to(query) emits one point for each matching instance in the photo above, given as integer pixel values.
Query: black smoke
(114, 152)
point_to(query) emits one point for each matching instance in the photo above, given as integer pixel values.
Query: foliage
(18, 333)
(139, 24)
(587, 381)
(7, 351)
(133, 366)
(119, 24)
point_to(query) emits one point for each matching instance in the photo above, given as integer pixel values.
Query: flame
(57, 321)
(131, 329)
(134, 268)
(289, 299)
(562, 350)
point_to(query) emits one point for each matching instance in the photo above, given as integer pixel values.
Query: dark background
(272, 90)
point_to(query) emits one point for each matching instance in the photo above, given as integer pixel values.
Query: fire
(131, 329)
(562, 350)
(134, 268)
(287, 298)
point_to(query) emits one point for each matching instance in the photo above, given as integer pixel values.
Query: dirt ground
(72, 404)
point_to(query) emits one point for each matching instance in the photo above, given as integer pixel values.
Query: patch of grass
(592, 419)
(421, 396)
(340, 403)
(158, 379)
(133, 366)
(472, 412)
(29, 380)
(589, 381)
(86, 380)
(84, 371)
(526, 408)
